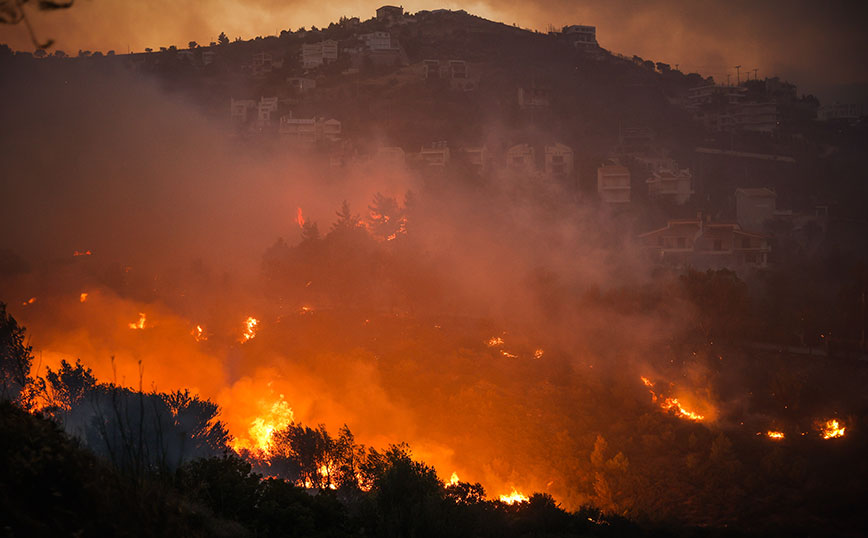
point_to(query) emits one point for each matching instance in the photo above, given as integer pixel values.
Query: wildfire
(672, 404)
(82, 298)
(299, 218)
(538, 353)
(199, 334)
(514, 497)
(278, 416)
(139, 324)
(250, 329)
(453, 480)
(29, 301)
(775, 435)
(832, 429)
(508, 355)
(305, 309)
(82, 253)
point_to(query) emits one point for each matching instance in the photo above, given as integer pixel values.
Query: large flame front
(275, 417)
(514, 497)
(775, 435)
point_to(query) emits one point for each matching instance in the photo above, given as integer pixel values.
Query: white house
(521, 158)
(704, 244)
(613, 184)
(378, 41)
(435, 155)
(558, 160)
(753, 207)
(675, 185)
(477, 158)
(301, 130)
(301, 84)
(316, 54)
(391, 156)
(581, 36)
(267, 106)
(238, 109)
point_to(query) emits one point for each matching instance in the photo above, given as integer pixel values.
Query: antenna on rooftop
(738, 74)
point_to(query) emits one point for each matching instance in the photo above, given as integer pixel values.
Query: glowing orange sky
(816, 44)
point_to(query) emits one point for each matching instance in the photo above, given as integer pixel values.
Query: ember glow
(514, 497)
(775, 435)
(140, 324)
(832, 429)
(453, 480)
(250, 327)
(29, 301)
(82, 253)
(82, 298)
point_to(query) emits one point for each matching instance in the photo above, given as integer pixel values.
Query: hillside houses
(703, 244)
(316, 54)
(673, 185)
(613, 184)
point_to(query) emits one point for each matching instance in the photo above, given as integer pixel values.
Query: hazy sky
(816, 44)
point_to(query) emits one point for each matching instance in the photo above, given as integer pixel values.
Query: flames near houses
(495, 299)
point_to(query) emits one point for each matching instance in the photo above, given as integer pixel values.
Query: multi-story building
(673, 185)
(702, 244)
(613, 184)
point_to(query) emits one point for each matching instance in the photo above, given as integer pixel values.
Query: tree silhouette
(15, 358)
(222, 39)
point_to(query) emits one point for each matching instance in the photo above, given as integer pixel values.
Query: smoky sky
(818, 45)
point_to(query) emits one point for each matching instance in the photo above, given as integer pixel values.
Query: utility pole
(727, 79)
(754, 73)
(738, 74)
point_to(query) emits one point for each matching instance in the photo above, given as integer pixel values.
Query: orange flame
(250, 329)
(495, 341)
(82, 253)
(514, 497)
(82, 298)
(29, 301)
(453, 480)
(668, 404)
(775, 435)
(275, 417)
(832, 429)
(538, 353)
(139, 324)
(299, 217)
(199, 334)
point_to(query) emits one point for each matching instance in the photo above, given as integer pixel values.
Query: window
(718, 244)
(681, 242)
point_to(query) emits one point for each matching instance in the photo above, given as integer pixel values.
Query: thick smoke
(177, 213)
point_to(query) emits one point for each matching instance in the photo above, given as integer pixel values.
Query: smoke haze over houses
(821, 44)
